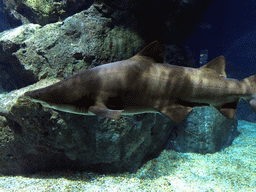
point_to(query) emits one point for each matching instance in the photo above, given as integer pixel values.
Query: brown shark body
(144, 84)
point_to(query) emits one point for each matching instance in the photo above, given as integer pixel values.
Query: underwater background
(194, 33)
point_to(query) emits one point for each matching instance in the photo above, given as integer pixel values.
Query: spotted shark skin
(144, 84)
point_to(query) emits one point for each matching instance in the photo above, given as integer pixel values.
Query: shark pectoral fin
(176, 113)
(253, 104)
(228, 109)
(229, 113)
(103, 111)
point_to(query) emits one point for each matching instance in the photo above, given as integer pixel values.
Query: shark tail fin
(250, 83)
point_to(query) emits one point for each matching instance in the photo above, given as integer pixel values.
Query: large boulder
(34, 138)
(172, 22)
(87, 39)
(42, 11)
(204, 130)
(98, 35)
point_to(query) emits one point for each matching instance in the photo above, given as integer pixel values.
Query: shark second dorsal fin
(153, 51)
(218, 64)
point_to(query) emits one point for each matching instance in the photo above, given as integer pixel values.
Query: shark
(145, 84)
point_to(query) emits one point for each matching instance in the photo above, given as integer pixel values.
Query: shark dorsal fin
(153, 51)
(218, 64)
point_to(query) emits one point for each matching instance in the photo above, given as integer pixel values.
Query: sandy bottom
(233, 169)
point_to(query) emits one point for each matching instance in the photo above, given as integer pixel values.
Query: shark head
(39, 96)
(57, 96)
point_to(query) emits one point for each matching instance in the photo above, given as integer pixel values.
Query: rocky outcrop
(169, 21)
(204, 130)
(87, 39)
(40, 139)
(95, 36)
(42, 11)
(34, 138)
(13, 75)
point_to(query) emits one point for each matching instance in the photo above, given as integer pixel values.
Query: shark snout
(33, 96)
(36, 94)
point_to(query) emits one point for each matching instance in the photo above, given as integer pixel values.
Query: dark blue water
(3, 22)
(229, 29)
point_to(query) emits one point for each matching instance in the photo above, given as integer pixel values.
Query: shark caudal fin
(250, 83)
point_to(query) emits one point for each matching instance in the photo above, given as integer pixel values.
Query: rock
(245, 112)
(61, 49)
(41, 139)
(204, 130)
(34, 138)
(92, 37)
(42, 11)
(13, 75)
(167, 21)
